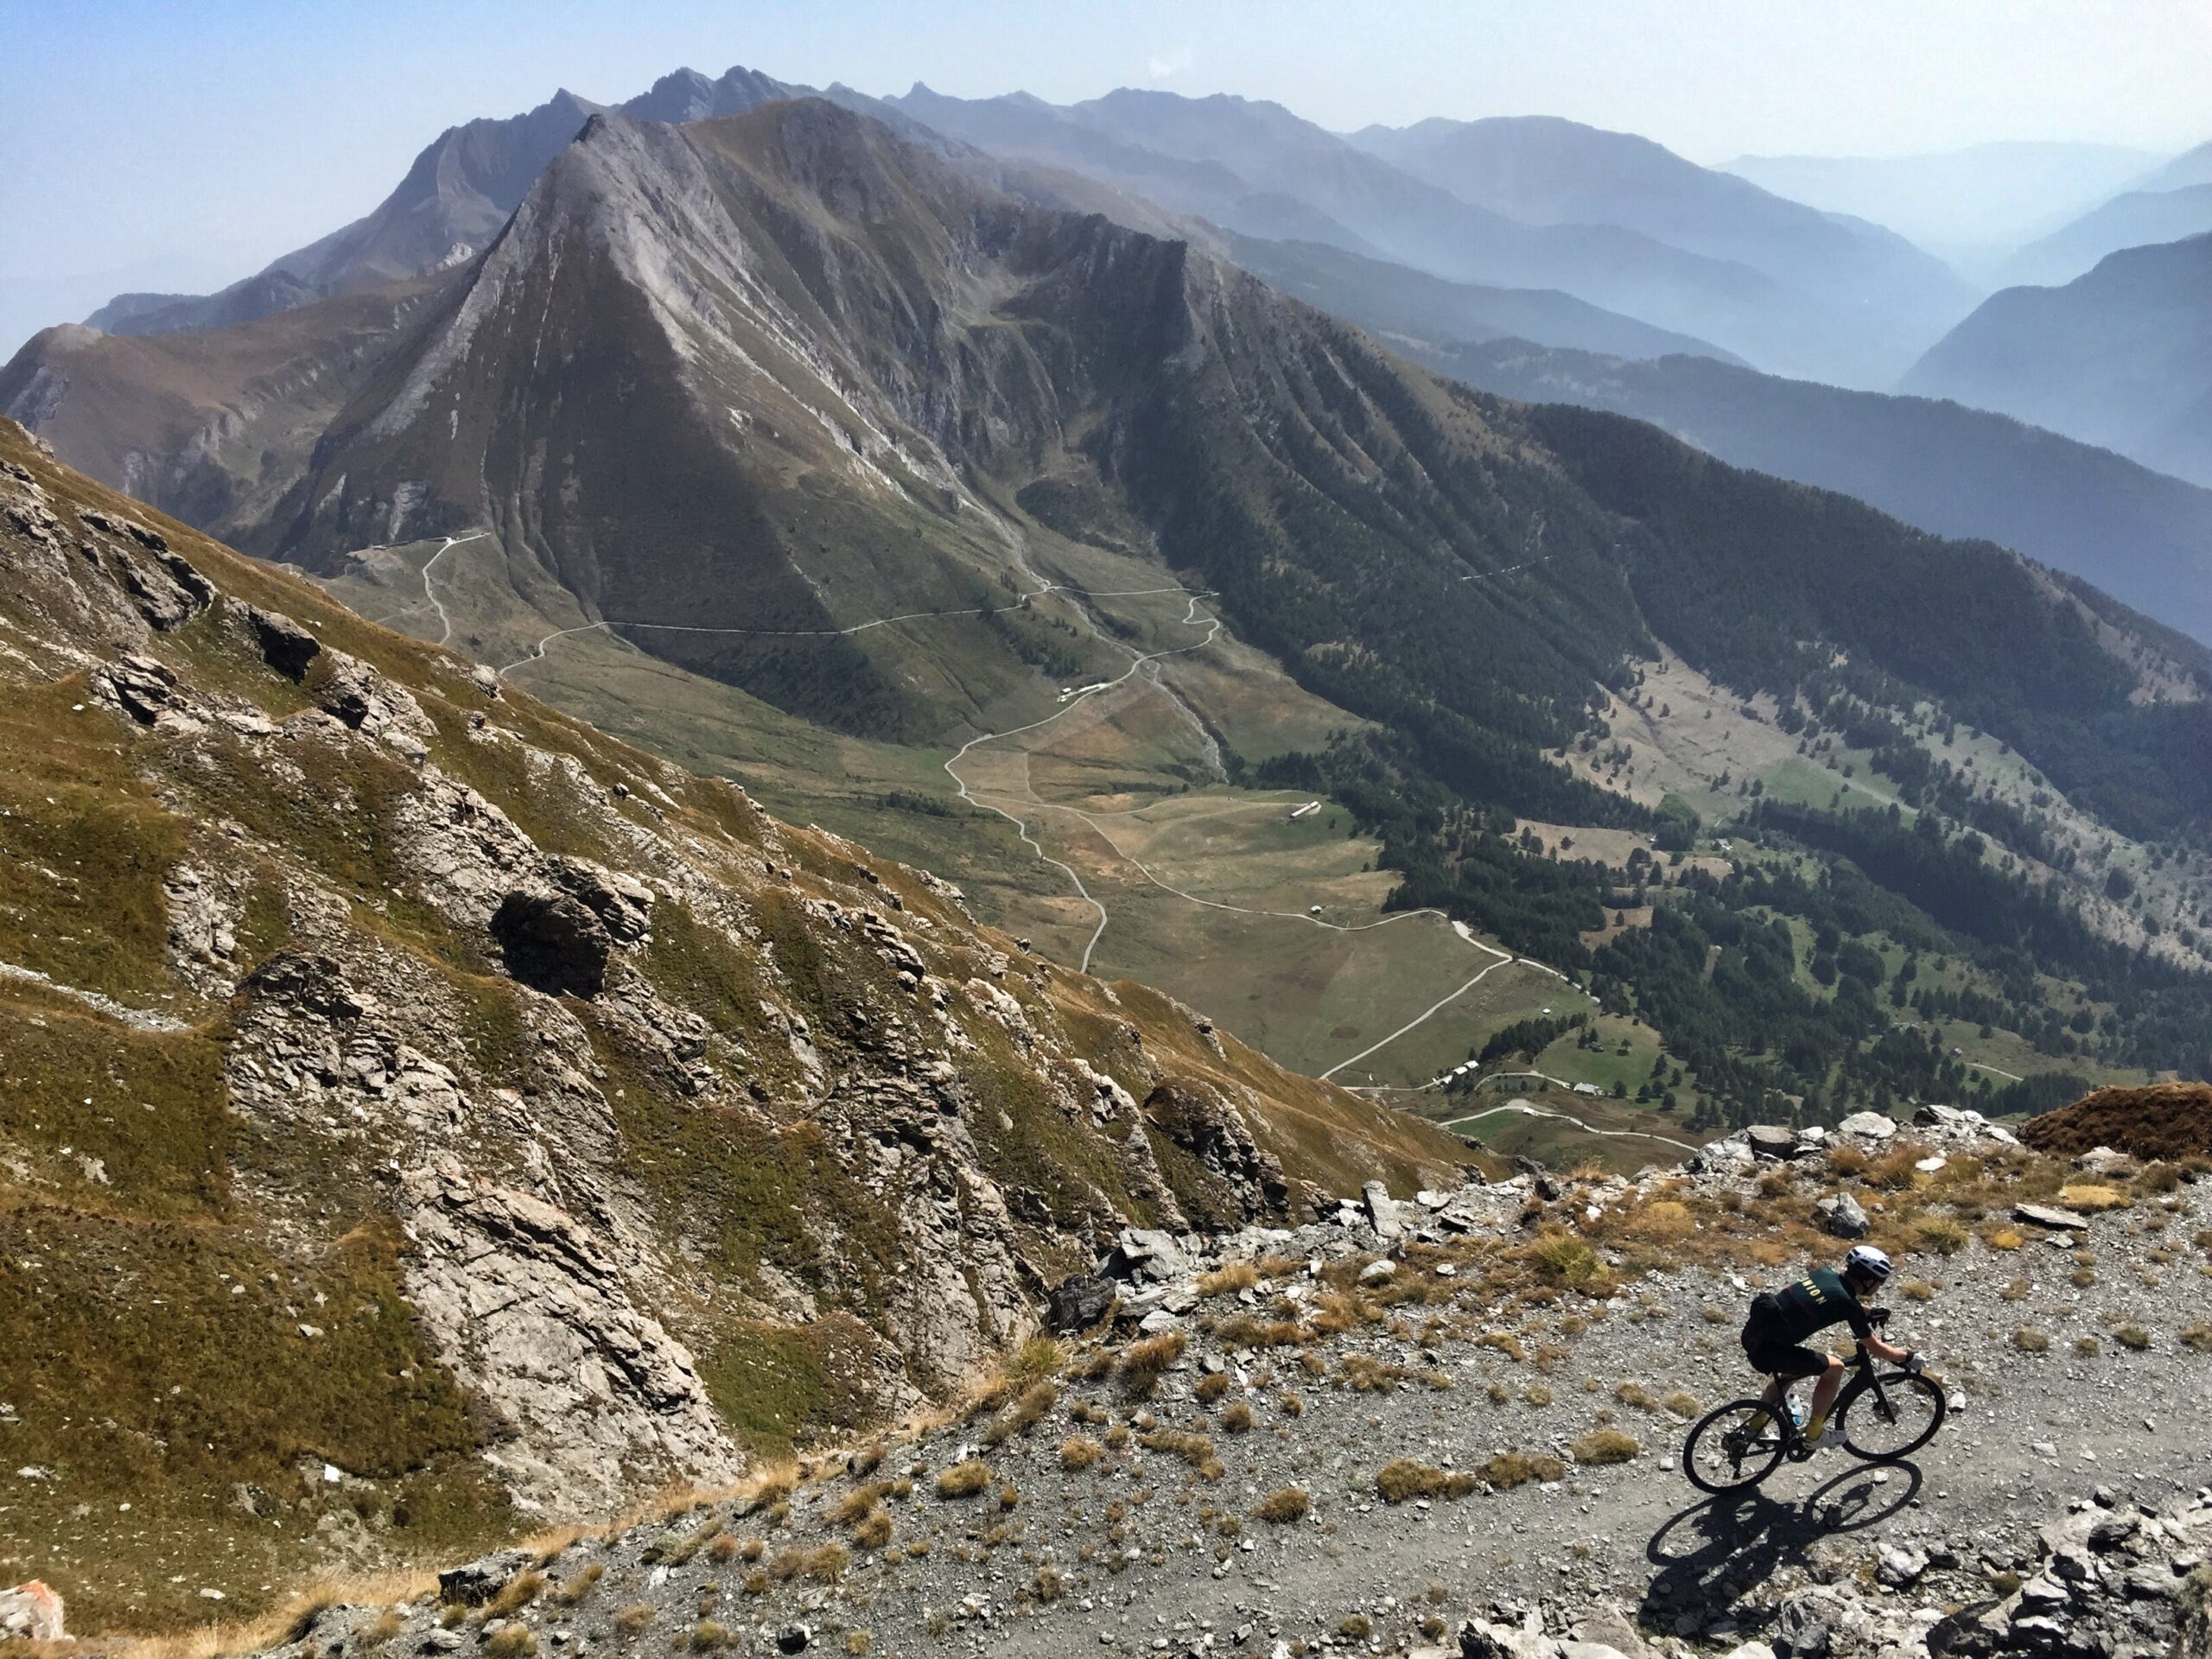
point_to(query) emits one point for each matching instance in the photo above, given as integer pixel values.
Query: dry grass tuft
(1503, 1342)
(1079, 1451)
(1142, 1364)
(964, 1479)
(2090, 1198)
(1228, 1279)
(1681, 1403)
(388, 1625)
(1022, 1415)
(1281, 1508)
(1916, 1290)
(636, 1618)
(2133, 1337)
(515, 1594)
(2029, 1340)
(1194, 1449)
(511, 1641)
(1212, 1387)
(1635, 1394)
(1244, 1331)
(1941, 1234)
(2196, 1337)
(1403, 1478)
(1604, 1445)
(582, 1584)
(1507, 1470)
(1237, 1420)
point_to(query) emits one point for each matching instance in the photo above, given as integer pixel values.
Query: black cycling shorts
(1770, 1357)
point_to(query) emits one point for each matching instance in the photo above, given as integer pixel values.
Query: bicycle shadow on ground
(1707, 1554)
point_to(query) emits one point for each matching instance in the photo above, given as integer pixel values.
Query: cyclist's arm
(1881, 1349)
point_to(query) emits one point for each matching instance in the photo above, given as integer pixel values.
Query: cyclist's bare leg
(1825, 1391)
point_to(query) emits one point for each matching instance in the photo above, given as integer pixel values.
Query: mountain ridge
(2114, 357)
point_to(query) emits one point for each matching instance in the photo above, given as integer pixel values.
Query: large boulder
(30, 1613)
(552, 943)
(285, 645)
(1079, 1302)
(1868, 1126)
(474, 1583)
(2041, 1215)
(1774, 1141)
(1381, 1210)
(1840, 1217)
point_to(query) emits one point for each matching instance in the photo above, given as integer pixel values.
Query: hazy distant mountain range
(1974, 205)
(1442, 237)
(2121, 357)
(2143, 536)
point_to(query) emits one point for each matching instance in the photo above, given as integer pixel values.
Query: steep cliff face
(419, 1111)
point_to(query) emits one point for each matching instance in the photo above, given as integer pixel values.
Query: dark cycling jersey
(1815, 1302)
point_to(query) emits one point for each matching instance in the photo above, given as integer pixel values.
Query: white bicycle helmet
(1867, 1263)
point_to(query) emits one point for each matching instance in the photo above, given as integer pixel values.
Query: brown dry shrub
(515, 1594)
(1281, 1508)
(856, 1504)
(874, 1531)
(1604, 1445)
(1403, 1478)
(581, 1583)
(1228, 1279)
(1079, 1451)
(1022, 1415)
(2029, 1340)
(1507, 1470)
(964, 1479)
(1237, 1420)
(1143, 1362)
(1941, 1234)
(1212, 1387)
(1246, 1331)
(1503, 1342)
(1194, 1449)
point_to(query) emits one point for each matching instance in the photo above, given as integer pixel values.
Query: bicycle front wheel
(1733, 1447)
(1891, 1418)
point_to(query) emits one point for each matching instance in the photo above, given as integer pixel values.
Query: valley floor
(1101, 825)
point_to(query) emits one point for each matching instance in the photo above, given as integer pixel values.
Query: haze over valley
(807, 798)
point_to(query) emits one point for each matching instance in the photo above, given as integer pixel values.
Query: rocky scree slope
(419, 1112)
(1450, 1426)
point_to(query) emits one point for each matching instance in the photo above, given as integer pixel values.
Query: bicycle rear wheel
(1891, 1419)
(1731, 1449)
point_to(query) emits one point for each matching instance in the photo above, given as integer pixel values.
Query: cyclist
(1781, 1320)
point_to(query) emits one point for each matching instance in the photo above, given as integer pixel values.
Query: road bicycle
(1880, 1415)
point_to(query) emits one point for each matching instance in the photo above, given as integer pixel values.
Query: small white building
(1587, 1089)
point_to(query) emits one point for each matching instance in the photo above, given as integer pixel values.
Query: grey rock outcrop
(588, 1389)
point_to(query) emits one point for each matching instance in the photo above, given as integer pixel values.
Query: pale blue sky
(150, 144)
